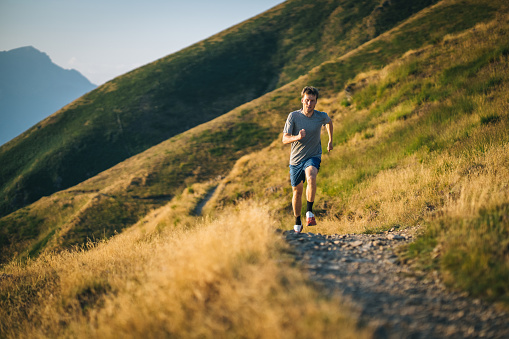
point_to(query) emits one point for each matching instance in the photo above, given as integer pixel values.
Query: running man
(302, 130)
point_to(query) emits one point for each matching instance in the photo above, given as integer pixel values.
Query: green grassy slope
(116, 198)
(421, 142)
(153, 103)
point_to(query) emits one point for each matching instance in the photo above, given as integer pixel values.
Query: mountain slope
(118, 197)
(421, 142)
(32, 87)
(151, 104)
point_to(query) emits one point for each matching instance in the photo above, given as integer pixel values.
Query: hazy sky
(106, 38)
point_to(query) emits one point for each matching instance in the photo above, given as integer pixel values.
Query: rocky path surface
(388, 294)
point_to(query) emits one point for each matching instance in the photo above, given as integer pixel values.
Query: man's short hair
(310, 90)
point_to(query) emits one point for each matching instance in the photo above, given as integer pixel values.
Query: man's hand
(329, 146)
(302, 134)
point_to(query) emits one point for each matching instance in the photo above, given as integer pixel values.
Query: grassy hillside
(153, 103)
(219, 279)
(421, 141)
(117, 198)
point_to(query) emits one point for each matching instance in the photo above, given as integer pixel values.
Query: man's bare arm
(288, 138)
(330, 132)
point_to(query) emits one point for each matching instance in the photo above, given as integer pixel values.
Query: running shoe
(310, 219)
(297, 228)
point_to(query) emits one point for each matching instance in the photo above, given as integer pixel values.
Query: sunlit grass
(222, 277)
(417, 147)
(423, 142)
(210, 150)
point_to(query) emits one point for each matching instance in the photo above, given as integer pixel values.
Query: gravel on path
(389, 295)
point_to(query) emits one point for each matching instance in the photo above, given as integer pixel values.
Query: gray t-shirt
(311, 145)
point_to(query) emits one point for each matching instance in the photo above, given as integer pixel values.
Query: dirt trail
(388, 295)
(199, 207)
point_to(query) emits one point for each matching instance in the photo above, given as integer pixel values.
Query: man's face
(308, 103)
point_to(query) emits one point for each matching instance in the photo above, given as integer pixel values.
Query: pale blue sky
(106, 38)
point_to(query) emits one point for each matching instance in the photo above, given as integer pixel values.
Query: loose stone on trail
(395, 237)
(356, 243)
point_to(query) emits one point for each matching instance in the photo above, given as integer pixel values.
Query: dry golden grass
(174, 274)
(436, 157)
(179, 213)
(222, 278)
(417, 186)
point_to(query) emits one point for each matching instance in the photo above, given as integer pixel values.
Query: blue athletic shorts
(298, 172)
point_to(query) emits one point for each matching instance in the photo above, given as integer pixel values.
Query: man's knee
(311, 173)
(298, 189)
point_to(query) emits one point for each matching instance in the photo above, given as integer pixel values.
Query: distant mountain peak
(25, 49)
(32, 87)
(24, 54)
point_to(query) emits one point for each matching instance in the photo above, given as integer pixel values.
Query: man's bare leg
(311, 173)
(297, 199)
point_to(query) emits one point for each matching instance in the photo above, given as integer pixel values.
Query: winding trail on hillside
(199, 207)
(398, 301)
